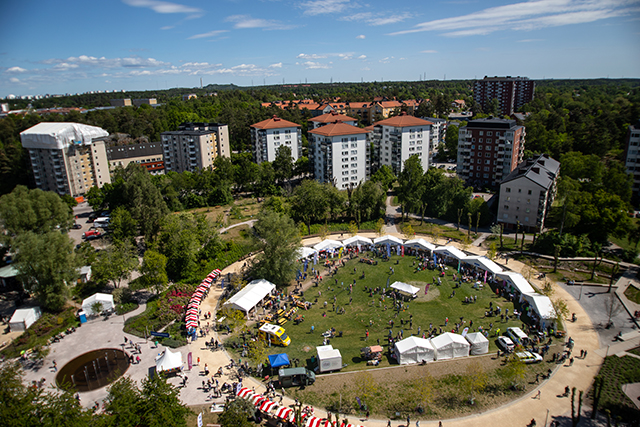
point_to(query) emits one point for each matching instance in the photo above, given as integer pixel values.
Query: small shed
(105, 299)
(414, 350)
(478, 342)
(329, 358)
(23, 318)
(449, 346)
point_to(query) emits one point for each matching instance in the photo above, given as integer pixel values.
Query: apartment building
(67, 158)
(438, 133)
(397, 138)
(632, 156)
(527, 193)
(269, 135)
(488, 150)
(339, 154)
(194, 146)
(511, 92)
(148, 155)
(332, 117)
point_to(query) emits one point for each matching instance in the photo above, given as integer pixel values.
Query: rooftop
(274, 123)
(403, 120)
(332, 117)
(542, 170)
(338, 128)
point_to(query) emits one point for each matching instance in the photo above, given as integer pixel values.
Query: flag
(306, 265)
(315, 258)
(388, 250)
(485, 276)
(340, 253)
(426, 288)
(403, 251)
(458, 266)
(397, 249)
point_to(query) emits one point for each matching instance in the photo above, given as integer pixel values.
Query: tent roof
(327, 244)
(98, 298)
(484, 263)
(518, 281)
(60, 135)
(448, 338)
(542, 305)
(393, 240)
(168, 360)
(8, 271)
(251, 295)
(476, 337)
(277, 360)
(405, 287)
(413, 342)
(420, 243)
(357, 240)
(451, 251)
(21, 314)
(304, 252)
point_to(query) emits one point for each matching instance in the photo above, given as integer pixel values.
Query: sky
(68, 46)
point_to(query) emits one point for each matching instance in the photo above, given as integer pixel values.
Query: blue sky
(67, 46)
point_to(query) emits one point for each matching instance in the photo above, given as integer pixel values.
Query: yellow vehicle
(275, 334)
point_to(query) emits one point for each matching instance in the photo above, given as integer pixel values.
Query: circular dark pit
(93, 370)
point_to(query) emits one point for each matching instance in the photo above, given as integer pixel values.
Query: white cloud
(14, 80)
(322, 7)
(343, 55)
(429, 51)
(361, 37)
(362, 57)
(207, 35)
(276, 65)
(311, 65)
(386, 60)
(165, 7)
(527, 15)
(168, 27)
(366, 69)
(246, 21)
(92, 61)
(16, 70)
(65, 66)
(312, 56)
(379, 18)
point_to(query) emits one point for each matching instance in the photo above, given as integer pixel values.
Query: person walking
(55, 366)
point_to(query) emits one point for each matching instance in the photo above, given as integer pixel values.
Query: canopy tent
(405, 288)
(267, 405)
(105, 299)
(542, 305)
(245, 393)
(383, 240)
(327, 244)
(257, 399)
(318, 422)
(414, 350)
(450, 345)
(479, 344)
(450, 251)
(250, 295)
(419, 244)
(23, 318)
(168, 361)
(483, 263)
(278, 360)
(304, 252)
(357, 240)
(285, 414)
(516, 280)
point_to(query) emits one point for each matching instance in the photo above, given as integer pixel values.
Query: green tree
(237, 413)
(283, 164)
(154, 270)
(160, 404)
(278, 239)
(46, 264)
(451, 142)
(310, 202)
(122, 226)
(115, 264)
(38, 211)
(410, 186)
(385, 177)
(122, 403)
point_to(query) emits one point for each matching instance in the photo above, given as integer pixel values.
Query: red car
(91, 234)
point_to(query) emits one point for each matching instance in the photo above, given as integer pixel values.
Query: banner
(485, 276)
(306, 265)
(388, 250)
(403, 251)
(189, 360)
(458, 266)
(340, 253)
(426, 288)
(315, 258)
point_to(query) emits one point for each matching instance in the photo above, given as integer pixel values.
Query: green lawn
(366, 312)
(633, 294)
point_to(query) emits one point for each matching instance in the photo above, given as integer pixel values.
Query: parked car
(91, 234)
(529, 357)
(76, 226)
(505, 344)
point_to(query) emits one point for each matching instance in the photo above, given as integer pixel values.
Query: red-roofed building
(332, 117)
(339, 154)
(397, 138)
(269, 135)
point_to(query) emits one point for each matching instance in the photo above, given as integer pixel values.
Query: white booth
(329, 359)
(23, 318)
(105, 299)
(449, 346)
(478, 342)
(168, 361)
(414, 350)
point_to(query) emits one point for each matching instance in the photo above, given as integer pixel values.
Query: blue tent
(277, 360)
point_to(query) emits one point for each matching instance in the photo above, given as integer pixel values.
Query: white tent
(23, 318)
(168, 361)
(250, 295)
(392, 240)
(479, 344)
(516, 280)
(542, 305)
(414, 350)
(105, 299)
(405, 288)
(450, 345)
(59, 135)
(450, 251)
(357, 240)
(419, 244)
(327, 244)
(484, 263)
(304, 252)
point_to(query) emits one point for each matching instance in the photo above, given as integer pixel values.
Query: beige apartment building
(194, 146)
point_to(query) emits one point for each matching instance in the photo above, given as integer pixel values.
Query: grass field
(366, 312)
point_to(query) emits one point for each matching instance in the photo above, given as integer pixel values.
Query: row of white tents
(446, 346)
(541, 304)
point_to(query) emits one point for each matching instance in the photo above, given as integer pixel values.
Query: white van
(518, 336)
(102, 222)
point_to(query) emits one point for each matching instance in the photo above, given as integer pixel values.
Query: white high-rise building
(632, 156)
(269, 135)
(194, 146)
(67, 158)
(400, 137)
(340, 154)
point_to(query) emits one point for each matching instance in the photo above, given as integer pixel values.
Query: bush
(122, 295)
(125, 308)
(170, 342)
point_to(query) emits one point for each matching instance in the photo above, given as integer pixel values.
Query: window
(489, 133)
(526, 219)
(506, 207)
(529, 192)
(508, 190)
(528, 201)
(487, 154)
(506, 216)
(481, 133)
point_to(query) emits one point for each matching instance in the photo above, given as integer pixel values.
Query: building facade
(632, 156)
(527, 193)
(339, 154)
(438, 134)
(148, 155)
(67, 158)
(269, 135)
(511, 92)
(194, 146)
(397, 138)
(488, 150)
(332, 117)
